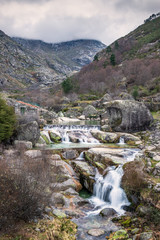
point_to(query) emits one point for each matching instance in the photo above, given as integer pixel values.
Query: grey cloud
(62, 20)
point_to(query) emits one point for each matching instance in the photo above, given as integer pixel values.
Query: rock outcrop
(128, 116)
(29, 132)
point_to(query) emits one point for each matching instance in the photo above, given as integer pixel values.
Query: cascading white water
(121, 141)
(81, 156)
(107, 192)
(82, 131)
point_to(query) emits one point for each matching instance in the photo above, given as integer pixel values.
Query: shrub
(21, 192)
(135, 92)
(67, 85)
(7, 121)
(113, 60)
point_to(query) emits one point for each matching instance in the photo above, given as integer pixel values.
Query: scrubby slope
(130, 62)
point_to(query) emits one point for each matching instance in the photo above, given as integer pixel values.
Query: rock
(23, 144)
(150, 148)
(70, 154)
(49, 116)
(41, 140)
(59, 213)
(96, 232)
(105, 98)
(120, 234)
(156, 158)
(57, 199)
(135, 230)
(106, 156)
(82, 117)
(33, 153)
(45, 136)
(128, 116)
(89, 111)
(129, 138)
(105, 137)
(157, 187)
(126, 96)
(143, 210)
(108, 212)
(29, 132)
(60, 114)
(54, 136)
(85, 172)
(144, 236)
(106, 128)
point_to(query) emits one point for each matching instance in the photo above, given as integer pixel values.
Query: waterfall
(81, 156)
(121, 141)
(65, 138)
(107, 192)
(79, 132)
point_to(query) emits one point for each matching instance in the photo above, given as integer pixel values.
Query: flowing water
(107, 191)
(80, 133)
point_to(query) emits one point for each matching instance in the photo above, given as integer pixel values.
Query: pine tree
(113, 60)
(7, 121)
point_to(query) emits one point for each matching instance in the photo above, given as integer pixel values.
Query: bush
(135, 92)
(113, 60)
(67, 85)
(7, 121)
(21, 192)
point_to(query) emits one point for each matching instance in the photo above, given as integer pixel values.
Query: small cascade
(121, 141)
(107, 192)
(81, 156)
(65, 138)
(79, 132)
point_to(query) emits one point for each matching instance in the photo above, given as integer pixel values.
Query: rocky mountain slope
(132, 63)
(25, 63)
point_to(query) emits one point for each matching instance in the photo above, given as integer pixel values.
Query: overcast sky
(63, 20)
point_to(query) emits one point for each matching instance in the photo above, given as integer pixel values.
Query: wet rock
(105, 137)
(121, 234)
(55, 136)
(45, 136)
(128, 116)
(41, 140)
(108, 212)
(23, 144)
(85, 172)
(70, 154)
(106, 156)
(96, 232)
(29, 132)
(129, 138)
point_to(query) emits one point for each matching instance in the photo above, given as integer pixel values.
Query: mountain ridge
(41, 65)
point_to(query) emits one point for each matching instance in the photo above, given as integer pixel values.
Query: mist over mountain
(25, 63)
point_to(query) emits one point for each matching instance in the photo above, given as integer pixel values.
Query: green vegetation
(67, 85)
(96, 58)
(116, 45)
(113, 59)
(135, 92)
(108, 49)
(7, 121)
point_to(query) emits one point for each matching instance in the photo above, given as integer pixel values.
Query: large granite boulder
(29, 132)
(89, 111)
(127, 115)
